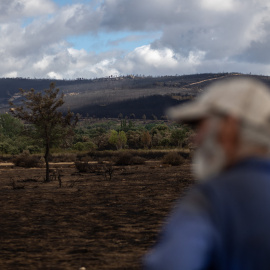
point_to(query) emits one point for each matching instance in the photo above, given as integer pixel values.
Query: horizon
(135, 76)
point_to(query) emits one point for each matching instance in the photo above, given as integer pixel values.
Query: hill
(152, 106)
(107, 97)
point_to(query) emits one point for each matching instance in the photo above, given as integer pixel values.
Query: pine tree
(41, 110)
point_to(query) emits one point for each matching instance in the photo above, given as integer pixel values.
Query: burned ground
(91, 221)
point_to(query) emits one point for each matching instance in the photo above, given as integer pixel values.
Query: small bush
(27, 161)
(136, 160)
(82, 166)
(79, 146)
(85, 167)
(173, 158)
(126, 158)
(66, 157)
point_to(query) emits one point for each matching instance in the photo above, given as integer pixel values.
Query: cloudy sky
(97, 38)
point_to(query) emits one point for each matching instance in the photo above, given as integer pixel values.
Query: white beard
(209, 159)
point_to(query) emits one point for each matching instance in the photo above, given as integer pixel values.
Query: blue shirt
(223, 223)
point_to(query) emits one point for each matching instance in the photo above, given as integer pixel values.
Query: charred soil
(92, 221)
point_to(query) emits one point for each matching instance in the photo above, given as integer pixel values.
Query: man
(224, 221)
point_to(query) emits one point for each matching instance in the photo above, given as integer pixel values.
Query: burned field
(91, 221)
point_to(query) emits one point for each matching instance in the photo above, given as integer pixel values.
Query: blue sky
(101, 42)
(70, 2)
(105, 41)
(98, 38)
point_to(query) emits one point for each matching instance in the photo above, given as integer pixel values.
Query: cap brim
(189, 112)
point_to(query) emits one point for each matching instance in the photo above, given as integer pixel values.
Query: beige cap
(245, 98)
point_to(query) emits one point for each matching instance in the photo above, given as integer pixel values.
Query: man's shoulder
(243, 171)
(248, 179)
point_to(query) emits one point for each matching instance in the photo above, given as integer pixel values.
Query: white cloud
(54, 75)
(149, 61)
(218, 5)
(12, 74)
(35, 8)
(196, 58)
(155, 57)
(197, 36)
(14, 10)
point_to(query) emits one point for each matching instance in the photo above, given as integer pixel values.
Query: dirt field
(90, 221)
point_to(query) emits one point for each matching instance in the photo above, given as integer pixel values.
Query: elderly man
(224, 221)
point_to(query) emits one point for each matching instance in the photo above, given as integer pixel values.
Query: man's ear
(229, 135)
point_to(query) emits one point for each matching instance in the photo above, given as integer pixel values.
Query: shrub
(13, 150)
(136, 160)
(84, 146)
(89, 146)
(173, 158)
(4, 147)
(27, 161)
(33, 149)
(85, 167)
(66, 157)
(82, 166)
(165, 142)
(79, 146)
(126, 158)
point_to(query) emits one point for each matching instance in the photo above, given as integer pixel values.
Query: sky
(72, 39)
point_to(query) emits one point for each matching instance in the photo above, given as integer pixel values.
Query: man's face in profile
(209, 158)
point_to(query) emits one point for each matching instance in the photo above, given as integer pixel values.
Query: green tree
(124, 124)
(134, 139)
(156, 139)
(113, 139)
(146, 139)
(177, 137)
(41, 109)
(144, 118)
(119, 139)
(102, 141)
(162, 128)
(79, 146)
(10, 126)
(4, 147)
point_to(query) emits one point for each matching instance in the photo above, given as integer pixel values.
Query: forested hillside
(108, 97)
(152, 107)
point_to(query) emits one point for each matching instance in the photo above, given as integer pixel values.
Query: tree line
(17, 136)
(36, 124)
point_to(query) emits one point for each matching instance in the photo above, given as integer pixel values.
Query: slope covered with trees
(93, 94)
(151, 107)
